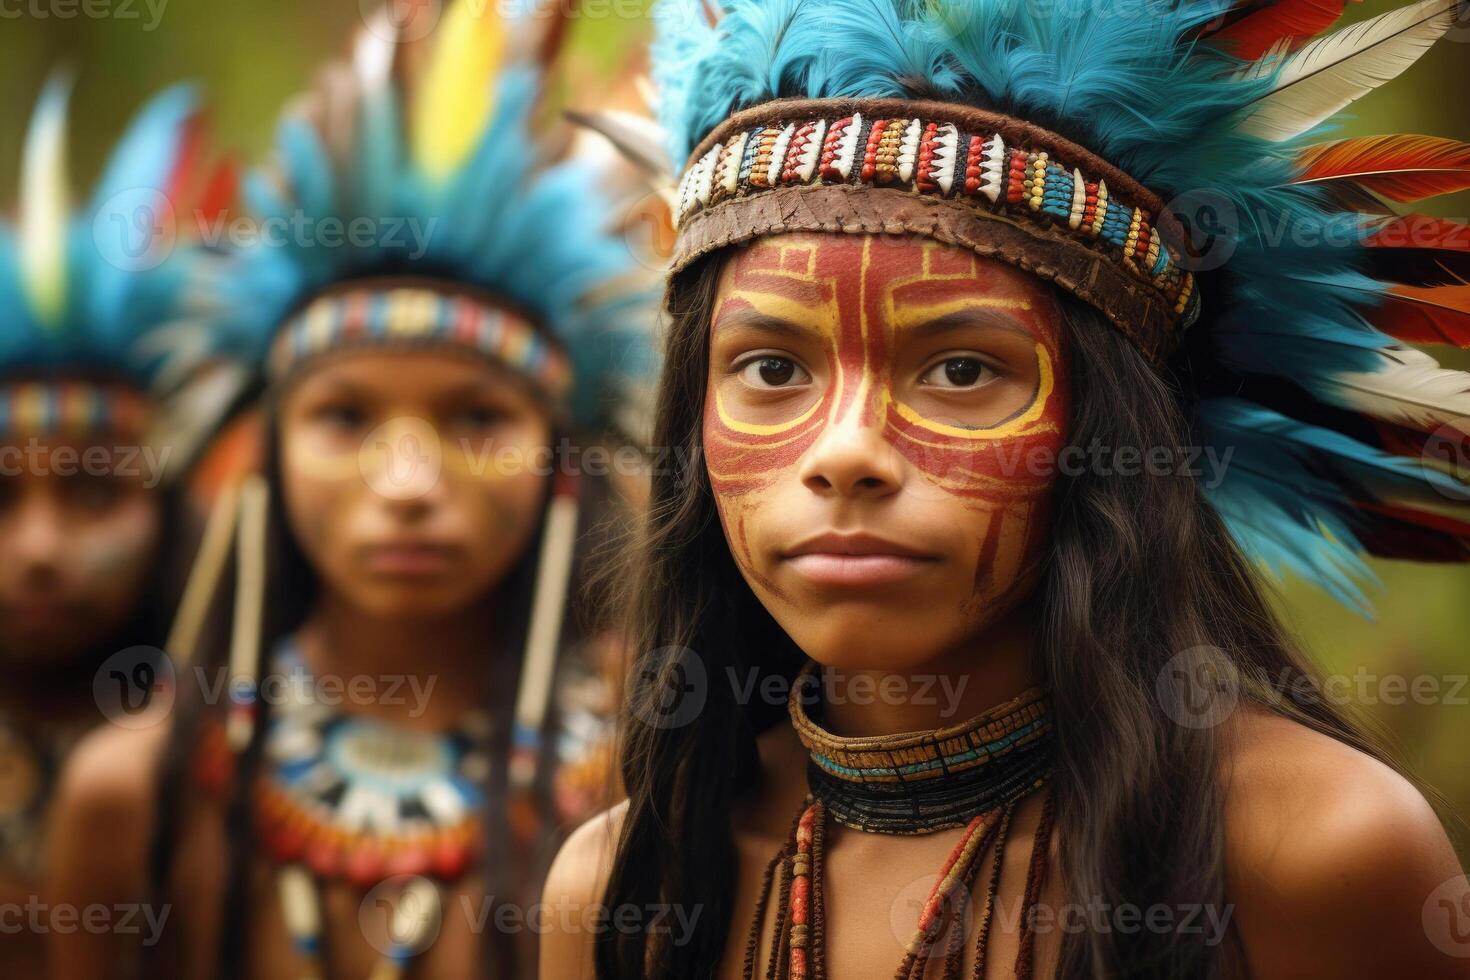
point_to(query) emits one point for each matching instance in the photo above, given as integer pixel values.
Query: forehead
(898, 273)
(405, 375)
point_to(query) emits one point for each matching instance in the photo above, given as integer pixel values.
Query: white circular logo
(135, 688)
(402, 21)
(402, 458)
(1198, 687)
(674, 688)
(401, 916)
(136, 230)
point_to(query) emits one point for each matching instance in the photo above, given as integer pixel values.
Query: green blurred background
(252, 56)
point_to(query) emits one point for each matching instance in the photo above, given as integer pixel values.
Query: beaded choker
(920, 782)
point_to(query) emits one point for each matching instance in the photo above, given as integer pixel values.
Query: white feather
(639, 138)
(1411, 390)
(1332, 72)
(44, 204)
(373, 52)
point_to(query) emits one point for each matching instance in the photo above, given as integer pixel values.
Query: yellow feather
(44, 207)
(456, 95)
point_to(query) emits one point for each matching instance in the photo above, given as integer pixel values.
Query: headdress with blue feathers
(1005, 107)
(412, 203)
(82, 292)
(434, 161)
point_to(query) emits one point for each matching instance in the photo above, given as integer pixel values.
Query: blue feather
(118, 291)
(539, 238)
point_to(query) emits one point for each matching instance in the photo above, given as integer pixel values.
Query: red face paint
(871, 322)
(861, 296)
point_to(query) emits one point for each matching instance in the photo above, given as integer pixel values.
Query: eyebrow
(753, 319)
(987, 318)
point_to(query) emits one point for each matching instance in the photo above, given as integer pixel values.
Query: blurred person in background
(953, 659)
(87, 506)
(438, 308)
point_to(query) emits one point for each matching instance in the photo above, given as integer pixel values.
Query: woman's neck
(983, 672)
(425, 673)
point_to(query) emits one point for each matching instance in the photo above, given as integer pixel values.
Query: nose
(852, 459)
(38, 538)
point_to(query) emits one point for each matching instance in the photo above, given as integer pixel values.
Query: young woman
(361, 780)
(952, 660)
(86, 504)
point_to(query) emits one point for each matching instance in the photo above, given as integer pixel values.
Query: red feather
(1391, 531)
(1298, 21)
(1401, 168)
(186, 160)
(1420, 250)
(219, 193)
(1418, 315)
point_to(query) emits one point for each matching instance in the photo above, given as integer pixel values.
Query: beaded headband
(71, 408)
(1001, 187)
(421, 317)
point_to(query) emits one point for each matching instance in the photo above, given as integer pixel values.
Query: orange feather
(1419, 315)
(1401, 168)
(1257, 29)
(1421, 231)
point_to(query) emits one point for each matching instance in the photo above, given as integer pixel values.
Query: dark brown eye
(962, 371)
(956, 372)
(772, 372)
(776, 370)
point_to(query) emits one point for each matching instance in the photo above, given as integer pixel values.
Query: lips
(410, 558)
(857, 560)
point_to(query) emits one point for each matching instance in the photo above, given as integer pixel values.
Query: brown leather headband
(1004, 188)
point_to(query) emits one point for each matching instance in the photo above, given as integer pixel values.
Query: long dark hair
(292, 587)
(1140, 570)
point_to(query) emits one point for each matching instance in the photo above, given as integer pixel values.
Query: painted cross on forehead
(862, 299)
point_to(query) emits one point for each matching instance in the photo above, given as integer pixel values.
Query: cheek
(112, 554)
(744, 463)
(499, 516)
(999, 486)
(317, 500)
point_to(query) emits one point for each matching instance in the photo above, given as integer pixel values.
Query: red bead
(288, 840)
(323, 856)
(450, 858)
(411, 859)
(364, 865)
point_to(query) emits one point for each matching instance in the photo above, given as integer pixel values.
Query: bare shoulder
(1333, 859)
(573, 892)
(104, 806)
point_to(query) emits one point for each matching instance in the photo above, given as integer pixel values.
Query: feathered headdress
(419, 162)
(412, 202)
(1166, 165)
(82, 292)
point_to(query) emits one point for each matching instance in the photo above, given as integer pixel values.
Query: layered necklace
(351, 798)
(30, 760)
(972, 775)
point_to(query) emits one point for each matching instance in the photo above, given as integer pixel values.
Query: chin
(427, 600)
(871, 639)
